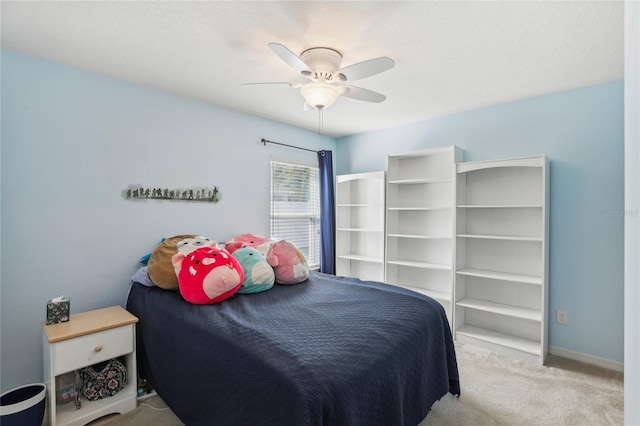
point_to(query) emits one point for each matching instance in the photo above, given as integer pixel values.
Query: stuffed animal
(248, 240)
(188, 245)
(288, 263)
(207, 275)
(258, 274)
(159, 266)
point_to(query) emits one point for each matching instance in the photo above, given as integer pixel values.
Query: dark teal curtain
(327, 214)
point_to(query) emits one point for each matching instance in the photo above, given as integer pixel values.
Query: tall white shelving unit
(360, 225)
(501, 285)
(421, 222)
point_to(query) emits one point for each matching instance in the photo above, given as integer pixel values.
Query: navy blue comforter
(330, 351)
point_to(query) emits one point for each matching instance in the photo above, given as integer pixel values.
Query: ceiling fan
(325, 79)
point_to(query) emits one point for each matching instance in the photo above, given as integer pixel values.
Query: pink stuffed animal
(207, 275)
(248, 240)
(288, 263)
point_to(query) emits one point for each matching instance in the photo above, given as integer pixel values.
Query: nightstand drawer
(93, 348)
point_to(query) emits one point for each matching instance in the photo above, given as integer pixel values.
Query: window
(295, 207)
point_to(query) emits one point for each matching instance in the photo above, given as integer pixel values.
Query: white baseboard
(589, 359)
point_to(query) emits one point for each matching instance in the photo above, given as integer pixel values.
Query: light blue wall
(582, 133)
(72, 141)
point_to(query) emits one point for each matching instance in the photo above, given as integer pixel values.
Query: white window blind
(295, 207)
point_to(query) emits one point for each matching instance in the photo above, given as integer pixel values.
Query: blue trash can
(23, 406)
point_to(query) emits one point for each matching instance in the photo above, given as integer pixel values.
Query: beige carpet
(496, 390)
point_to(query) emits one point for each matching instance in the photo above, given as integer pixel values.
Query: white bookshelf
(501, 283)
(360, 225)
(421, 222)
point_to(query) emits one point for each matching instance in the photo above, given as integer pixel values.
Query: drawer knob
(98, 348)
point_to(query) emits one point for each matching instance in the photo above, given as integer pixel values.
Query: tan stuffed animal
(160, 268)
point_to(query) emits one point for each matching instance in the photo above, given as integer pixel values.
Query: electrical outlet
(562, 317)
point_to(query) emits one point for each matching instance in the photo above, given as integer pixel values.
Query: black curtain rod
(266, 141)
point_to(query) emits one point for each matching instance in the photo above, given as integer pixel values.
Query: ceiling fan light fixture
(320, 94)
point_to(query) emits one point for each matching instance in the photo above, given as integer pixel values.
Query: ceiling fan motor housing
(324, 62)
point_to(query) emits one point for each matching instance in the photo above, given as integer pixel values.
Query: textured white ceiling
(450, 56)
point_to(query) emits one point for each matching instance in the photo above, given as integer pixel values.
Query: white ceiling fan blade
(362, 94)
(290, 58)
(365, 69)
(267, 82)
(294, 84)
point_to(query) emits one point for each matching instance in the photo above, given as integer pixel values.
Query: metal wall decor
(138, 192)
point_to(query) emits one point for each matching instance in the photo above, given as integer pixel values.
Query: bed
(329, 351)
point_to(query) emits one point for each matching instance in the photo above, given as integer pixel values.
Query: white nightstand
(86, 339)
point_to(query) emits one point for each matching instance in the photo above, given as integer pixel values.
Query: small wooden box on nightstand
(86, 339)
